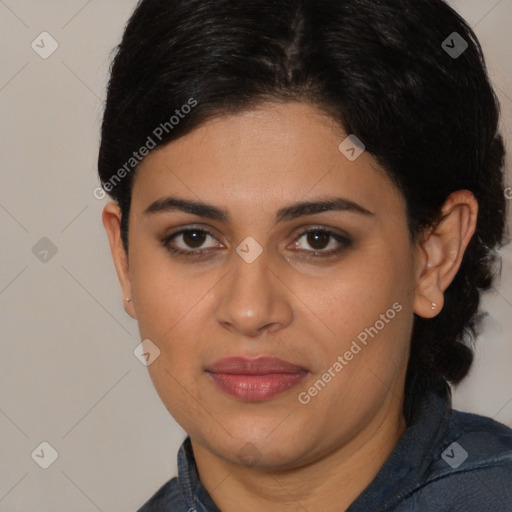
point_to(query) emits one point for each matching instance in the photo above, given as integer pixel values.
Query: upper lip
(259, 366)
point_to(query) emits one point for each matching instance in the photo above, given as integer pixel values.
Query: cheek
(362, 289)
(367, 306)
(162, 292)
(166, 305)
(177, 392)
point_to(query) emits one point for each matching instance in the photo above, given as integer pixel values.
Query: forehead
(257, 158)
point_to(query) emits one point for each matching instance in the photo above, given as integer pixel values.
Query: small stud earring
(434, 305)
(128, 300)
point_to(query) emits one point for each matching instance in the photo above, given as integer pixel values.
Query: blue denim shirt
(446, 460)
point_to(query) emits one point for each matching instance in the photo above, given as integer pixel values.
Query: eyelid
(318, 227)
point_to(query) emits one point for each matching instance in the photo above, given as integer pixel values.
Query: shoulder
(169, 495)
(471, 468)
(473, 441)
(482, 432)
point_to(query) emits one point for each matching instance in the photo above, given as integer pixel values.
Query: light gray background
(68, 375)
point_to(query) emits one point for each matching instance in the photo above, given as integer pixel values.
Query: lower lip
(256, 387)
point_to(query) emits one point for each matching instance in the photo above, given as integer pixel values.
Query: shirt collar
(408, 465)
(194, 493)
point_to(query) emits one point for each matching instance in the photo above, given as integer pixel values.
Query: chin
(258, 445)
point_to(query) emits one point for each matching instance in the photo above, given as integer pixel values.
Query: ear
(442, 250)
(111, 218)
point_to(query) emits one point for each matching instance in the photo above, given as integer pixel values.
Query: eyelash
(345, 242)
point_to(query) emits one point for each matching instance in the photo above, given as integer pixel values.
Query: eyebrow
(292, 211)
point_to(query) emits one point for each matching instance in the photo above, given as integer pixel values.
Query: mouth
(255, 379)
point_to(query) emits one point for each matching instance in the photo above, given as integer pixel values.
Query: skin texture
(287, 303)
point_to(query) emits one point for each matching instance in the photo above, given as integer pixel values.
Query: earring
(434, 305)
(128, 300)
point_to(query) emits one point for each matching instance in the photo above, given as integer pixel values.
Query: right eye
(190, 237)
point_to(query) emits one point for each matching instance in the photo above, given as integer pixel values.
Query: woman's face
(341, 317)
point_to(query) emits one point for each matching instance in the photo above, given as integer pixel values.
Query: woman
(308, 196)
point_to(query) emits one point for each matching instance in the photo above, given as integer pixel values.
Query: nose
(253, 299)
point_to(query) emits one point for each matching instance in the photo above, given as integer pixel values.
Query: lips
(255, 379)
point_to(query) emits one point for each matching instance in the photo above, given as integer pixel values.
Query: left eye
(319, 238)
